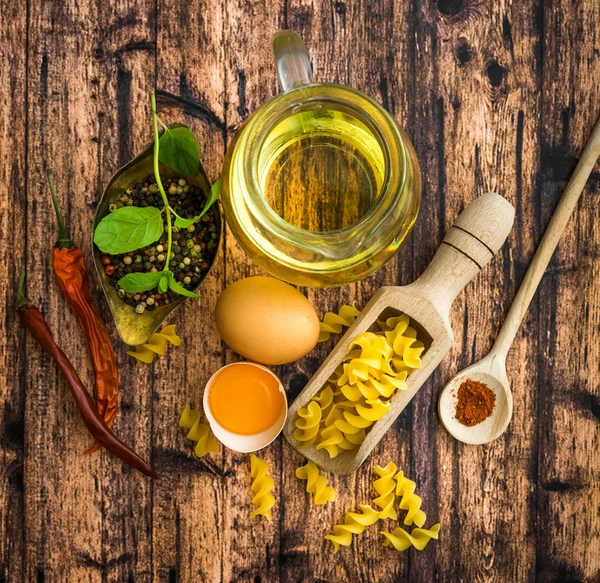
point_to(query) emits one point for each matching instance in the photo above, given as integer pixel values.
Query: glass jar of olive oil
(320, 186)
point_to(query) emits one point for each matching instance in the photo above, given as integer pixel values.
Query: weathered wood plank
(189, 504)
(568, 544)
(13, 201)
(482, 108)
(124, 76)
(88, 517)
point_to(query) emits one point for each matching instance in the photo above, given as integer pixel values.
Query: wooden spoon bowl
(490, 372)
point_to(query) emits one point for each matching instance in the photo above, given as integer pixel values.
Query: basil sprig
(130, 228)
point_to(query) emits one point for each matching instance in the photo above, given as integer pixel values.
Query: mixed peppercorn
(193, 248)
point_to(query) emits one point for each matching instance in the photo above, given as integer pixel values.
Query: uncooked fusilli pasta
(198, 432)
(307, 427)
(332, 323)
(354, 523)
(418, 538)
(157, 345)
(409, 501)
(385, 486)
(315, 483)
(262, 483)
(359, 391)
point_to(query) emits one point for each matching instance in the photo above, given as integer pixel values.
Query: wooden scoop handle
(478, 232)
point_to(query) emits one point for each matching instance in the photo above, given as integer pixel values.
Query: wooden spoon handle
(474, 238)
(544, 252)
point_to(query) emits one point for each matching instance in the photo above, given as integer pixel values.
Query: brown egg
(266, 320)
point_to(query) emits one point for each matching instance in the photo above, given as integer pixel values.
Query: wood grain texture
(495, 96)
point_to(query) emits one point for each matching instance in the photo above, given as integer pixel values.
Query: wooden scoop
(476, 235)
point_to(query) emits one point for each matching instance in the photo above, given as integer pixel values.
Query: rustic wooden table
(495, 96)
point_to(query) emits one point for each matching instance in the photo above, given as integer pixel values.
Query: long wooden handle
(474, 238)
(544, 252)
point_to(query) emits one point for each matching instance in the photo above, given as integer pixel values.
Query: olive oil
(321, 169)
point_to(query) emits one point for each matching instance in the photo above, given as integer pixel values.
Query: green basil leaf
(128, 228)
(179, 289)
(163, 284)
(178, 149)
(140, 282)
(215, 191)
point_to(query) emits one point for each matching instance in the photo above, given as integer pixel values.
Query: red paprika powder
(475, 402)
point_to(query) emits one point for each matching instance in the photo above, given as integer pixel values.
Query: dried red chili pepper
(37, 326)
(72, 278)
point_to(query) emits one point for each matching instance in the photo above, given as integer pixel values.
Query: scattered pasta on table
(389, 486)
(198, 432)
(262, 483)
(333, 323)
(418, 538)
(354, 523)
(156, 346)
(316, 484)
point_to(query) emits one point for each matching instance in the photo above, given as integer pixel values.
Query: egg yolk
(245, 399)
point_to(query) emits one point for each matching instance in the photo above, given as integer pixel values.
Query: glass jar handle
(291, 60)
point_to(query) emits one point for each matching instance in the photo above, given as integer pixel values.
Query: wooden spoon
(469, 245)
(491, 370)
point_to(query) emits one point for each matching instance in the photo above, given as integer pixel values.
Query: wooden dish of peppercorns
(194, 248)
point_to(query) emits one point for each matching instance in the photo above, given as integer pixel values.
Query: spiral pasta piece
(332, 323)
(409, 501)
(331, 438)
(315, 483)
(385, 486)
(262, 483)
(354, 523)
(418, 538)
(157, 345)
(404, 341)
(198, 432)
(307, 427)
